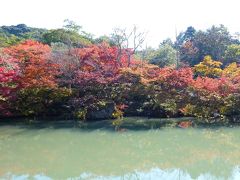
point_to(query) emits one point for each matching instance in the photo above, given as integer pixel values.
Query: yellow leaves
(117, 114)
(208, 67)
(81, 114)
(232, 70)
(211, 68)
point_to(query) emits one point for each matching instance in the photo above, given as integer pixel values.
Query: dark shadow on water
(129, 123)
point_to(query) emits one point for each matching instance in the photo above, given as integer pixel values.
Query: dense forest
(68, 73)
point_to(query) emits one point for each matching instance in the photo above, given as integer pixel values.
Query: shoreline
(127, 123)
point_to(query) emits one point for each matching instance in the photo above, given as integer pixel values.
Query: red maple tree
(36, 70)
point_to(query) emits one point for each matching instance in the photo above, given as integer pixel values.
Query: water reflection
(155, 173)
(57, 151)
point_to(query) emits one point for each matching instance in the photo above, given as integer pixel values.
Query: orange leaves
(168, 77)
(39, 75)
(146, 72)
(222, 86)
(180, 78)
(206, 83)
(33, 60)
(184, 124)
(28, 50)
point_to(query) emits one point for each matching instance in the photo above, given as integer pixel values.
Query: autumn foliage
(8, 82)
(35, 68)
(35, 80)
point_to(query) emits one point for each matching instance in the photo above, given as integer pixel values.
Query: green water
(67, 151)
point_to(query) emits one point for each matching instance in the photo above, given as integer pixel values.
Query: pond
(69, 150)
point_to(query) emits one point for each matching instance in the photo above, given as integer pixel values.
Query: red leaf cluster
(35, 68)
(98, 63)
(8, 82)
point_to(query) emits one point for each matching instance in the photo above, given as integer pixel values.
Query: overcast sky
(159, 17)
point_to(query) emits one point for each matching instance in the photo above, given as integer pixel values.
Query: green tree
(213, 42)
(167, 41)
(166, 55)
(70, 38)
(232, 54)
(104, 38)
(194, 45)
(11, 35)
(146, 54)
(10, 40)
(71, 26)
(183, 37)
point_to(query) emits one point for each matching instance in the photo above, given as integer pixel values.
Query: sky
(161, 19)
